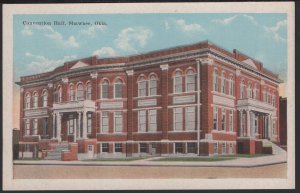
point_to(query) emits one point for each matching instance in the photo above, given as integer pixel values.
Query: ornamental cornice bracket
(164, 66)
(129, 72)
(94, 75)
(65, 80)
(50, 85)
(205, 61)
(237, 72)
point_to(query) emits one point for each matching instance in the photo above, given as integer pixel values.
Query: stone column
(75, 129)
(241, 125)
(270, 126)
(58, 122)
(164, 93)
(130, 124)
(248, 123)
(84, 122)
(79, 125)
(54, 132)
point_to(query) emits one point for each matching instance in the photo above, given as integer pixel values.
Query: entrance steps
(275, 148)
(56, 153)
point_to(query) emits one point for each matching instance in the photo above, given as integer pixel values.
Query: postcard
(149, 96)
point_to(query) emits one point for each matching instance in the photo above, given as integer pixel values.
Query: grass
(117, 159)
(246, 155)
(207, 159)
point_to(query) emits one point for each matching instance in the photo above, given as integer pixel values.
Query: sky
(41, 48)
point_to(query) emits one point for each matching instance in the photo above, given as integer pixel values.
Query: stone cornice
(205, 52)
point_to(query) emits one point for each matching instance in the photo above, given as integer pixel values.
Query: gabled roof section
(250, 63)
(79, 64)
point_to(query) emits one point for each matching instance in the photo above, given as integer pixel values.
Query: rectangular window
(190, 118)
(118, 147)
(71, 124)
(27, 127)
(152, 120)
(142, 88)
(231, 120)
(143, 147)
(142, 121)
(191, 148)
(27, 149)
(35, 127)
(190, 83)
(215, 118)
(255, 123)
(223, 83)
(45, 130)
(178, 148)
(153, 87)
(223, 119)
(118, 122)
(118, 90)
(89, 123)
(178, 84)
(45, 100)
(216, 148)
(223, 148)
(178, 119)
(104, 147)
(104, 89)
(104, 122)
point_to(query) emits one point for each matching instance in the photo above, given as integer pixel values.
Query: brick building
(283, 122)
(197, 99)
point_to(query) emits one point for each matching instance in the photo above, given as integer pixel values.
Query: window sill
(180, 93)
(185, 131)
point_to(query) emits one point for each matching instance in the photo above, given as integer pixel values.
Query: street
(138, 172)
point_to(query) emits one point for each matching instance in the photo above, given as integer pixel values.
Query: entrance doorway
(90, 151)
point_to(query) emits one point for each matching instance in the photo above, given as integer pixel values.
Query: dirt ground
(138, 172)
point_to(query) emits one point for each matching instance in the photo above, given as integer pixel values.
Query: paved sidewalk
(239, 162)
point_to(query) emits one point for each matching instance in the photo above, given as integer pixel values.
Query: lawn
(117, 159)
(194, 159)
(246, 155)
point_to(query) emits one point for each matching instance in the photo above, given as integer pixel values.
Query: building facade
(197, 99)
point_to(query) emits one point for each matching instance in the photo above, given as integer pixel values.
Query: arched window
(255, 92)
(178, 82)
(223, 83)
(80, 95)
(142, 84)
(264, 95)
(35, 100)
(59, 94)
(215, 80)
(153, 85)
(104, 89)
(231, 85)
(273, 100)
(190, 81)
(118, 88)
(72, 93)
(250, 90)
(27, 101)
(27, 127)
(45, 99)
(242, 88)
(88, 91)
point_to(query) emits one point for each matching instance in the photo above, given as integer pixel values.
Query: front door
(90, 151)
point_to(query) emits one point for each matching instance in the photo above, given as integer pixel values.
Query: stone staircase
(275, 148)
(56, 153)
